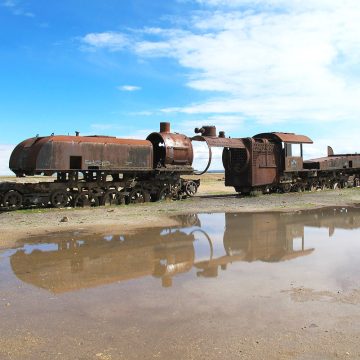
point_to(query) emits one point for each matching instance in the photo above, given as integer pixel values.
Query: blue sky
(121, 67)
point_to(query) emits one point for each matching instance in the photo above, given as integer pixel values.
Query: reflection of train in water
(78, 262)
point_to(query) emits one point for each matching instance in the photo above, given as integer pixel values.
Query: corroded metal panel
(220, 142)
(290, 138)
(334, 162)
(293, 163)
(64, 153)
(171, 149)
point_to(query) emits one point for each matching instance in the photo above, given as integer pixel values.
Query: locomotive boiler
(96, 170)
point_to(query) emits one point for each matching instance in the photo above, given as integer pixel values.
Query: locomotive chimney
(206, 131)
(221, 134)
(164, 127)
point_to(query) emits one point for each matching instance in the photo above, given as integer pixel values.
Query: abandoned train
(270, 162)
(96, 170)
(99, 170)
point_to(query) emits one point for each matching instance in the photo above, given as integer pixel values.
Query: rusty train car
(273, 162)
(97, 170)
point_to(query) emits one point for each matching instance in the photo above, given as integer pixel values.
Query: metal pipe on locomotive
(98, 170)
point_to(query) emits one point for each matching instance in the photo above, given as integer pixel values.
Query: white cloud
(294, 63)
(5, 152)
(272, 66)
(128, 88)
(112, 41)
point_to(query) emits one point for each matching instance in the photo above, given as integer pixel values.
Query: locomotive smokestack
(164, 127)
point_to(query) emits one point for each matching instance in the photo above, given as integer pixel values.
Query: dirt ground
(212, 196)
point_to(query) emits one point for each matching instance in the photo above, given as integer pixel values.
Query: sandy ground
(212, 196)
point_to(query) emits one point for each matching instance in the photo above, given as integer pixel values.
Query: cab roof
(290, 138)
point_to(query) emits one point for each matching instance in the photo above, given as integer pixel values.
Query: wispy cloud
(279, 62)
(110, 40)
(16, 9)
(129, 88)
(5, 151)
(266, 62)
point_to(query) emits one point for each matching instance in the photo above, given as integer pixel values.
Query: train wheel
(357, 182)
(138, 196)
(85, 200)
(59, 199)
(286, 187)
(13, 200)
(164, 194)
(323, 186)
(1, 200)
(112, 197)
(190, 188)
(81, 200)
(298, 188)
(94, 200)
(109, 198)
(335, 185)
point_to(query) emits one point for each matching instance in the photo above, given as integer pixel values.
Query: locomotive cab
(292, 149)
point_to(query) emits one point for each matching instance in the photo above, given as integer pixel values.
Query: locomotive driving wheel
(137, 196)
(13, 200)
(335, 185)
(286, 187)
(85, 200)
(59, 199)
(112, 197)
(164, 194)
(190, 188)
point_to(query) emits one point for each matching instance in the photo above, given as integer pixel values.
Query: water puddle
(158, 289)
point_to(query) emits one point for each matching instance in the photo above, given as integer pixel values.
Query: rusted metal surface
(165, 127)
(99, 170)
(206, 131)
(64, 153)
(208, 135)
(333, 162)
(255, 165)
(220, 142)
(170, 148)
(290, 138)
(293, 163)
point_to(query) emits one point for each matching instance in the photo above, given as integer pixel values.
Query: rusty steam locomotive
(99, 170)
(96, 170)
(270, 162)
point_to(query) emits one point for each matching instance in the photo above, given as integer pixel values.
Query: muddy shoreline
(25, 223)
